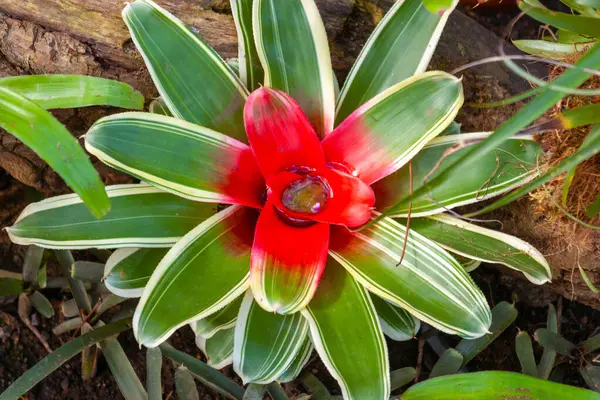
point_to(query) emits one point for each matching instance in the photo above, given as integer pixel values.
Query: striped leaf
(128, 270)
(70, 91)
(191, 77)
(346, 333)
(293, 48)
(299, 362)
(218, 348)
(400, 46)
(141, 216)
(510, 165)
(205, 270)
(552, 50)
(396, 323)
(588, 26)
(266, 343)
(251, 72)
(483, 244)
(429, 283)
(369, 140)
(50, 140)
(223, 319)
(182, 158)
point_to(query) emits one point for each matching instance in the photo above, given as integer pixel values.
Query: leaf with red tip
(279, 133)
(350, 200)
(391, 128)
(287, 262)
(182, 158)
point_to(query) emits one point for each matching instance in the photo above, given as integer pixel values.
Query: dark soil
(20, 349)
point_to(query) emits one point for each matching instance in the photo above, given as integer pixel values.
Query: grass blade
(87, 271)
(524, 350)
(185, 385)
(65, 258)
(153, 373)
(255, 391)
(592, 344)
(448, 364)
(31, 265)
(401, 377)
(549, 355)
(276, 391)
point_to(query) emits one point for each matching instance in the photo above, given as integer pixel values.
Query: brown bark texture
(89, 37)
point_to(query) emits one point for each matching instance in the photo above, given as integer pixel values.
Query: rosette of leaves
(288, 264)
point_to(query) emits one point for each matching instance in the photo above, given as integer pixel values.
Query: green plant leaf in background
(583, 25)
(223, 319)
(42, 133)
(128, 270)
(218, 348)
(396, 323)
(494, 385)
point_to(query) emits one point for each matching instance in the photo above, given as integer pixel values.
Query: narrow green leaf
(341, 316)
(292, 46)
(314, 386)
(158, 106)
(41, 304)
(395, 322)
(89, 356)
(591, 148)
(524, 350)
(548, 49)
(141, 216)
(295, 368)
(548, 356)
(69, 308)
(185, 385)
(87, 271)
(31, 265)
(401, 377)
(42, 277)
(190, 76)
(153, 373)
(503, 315)
(223, 319)
(484, 244)
(67, 326)
(429, 283)
(437, 6)
(583, 25)
(554, 341)
(218, 348)
(65, 258)
(594, 208)
(128, 270)
(42, 133)
(106, 303)
(121, 369)
(569, 176)
(448, 364)
(590, 345)
(58, 357)
(591, 375)
(250, 69)
(494, 385)
(206, 270)
(71, 91)
(206, 374)
(400, 46)
(255, 391)
(276, 391)
(580, 116)
(11, 286)
(266, 343)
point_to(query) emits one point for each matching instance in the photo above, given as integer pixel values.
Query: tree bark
(89, 37)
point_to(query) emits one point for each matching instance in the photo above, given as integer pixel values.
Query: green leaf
(429, 283)
(295, 368)
(218, 348)
(190, 76)
(448, 364)
(401, 377)
(292, 46)
(185, 385)
(437, 6)
(11, 286)
(524, 350)
(594, 208)
(552, 50)
(554, 341)
(153, 373)
(121, 369)
(503, 315)
(276, 391)
(548, 356)
(223, 319)
(186, 159)
(58, 357)
(141, 216)
(591, 375)
(368, 140)
(341, 316)
(206, 270)
(255, 392)
(71, 91)
(484, 244)
(128, 270)
(588, 148)
(400, 46)
(41, 304)
(209, 376)
(87, 271)
(509, 165)
(251, 72)
(50, 140)
(494, 385)
(590, 345)
(395, 322)
(266, 343)
(158, 106)
(583, 25)
(31, 265)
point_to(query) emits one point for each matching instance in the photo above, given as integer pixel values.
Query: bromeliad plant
(288, 265)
